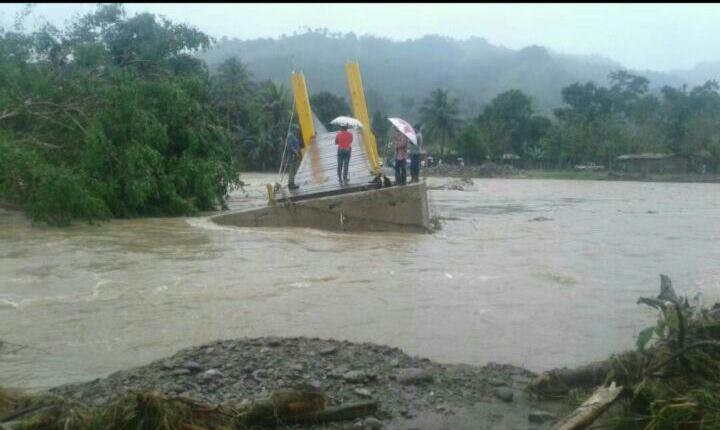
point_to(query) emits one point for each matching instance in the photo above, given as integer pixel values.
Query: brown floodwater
(493, 285)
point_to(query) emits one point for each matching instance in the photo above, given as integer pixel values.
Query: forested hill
(399, 75)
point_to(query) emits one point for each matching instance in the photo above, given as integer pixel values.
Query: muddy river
(537, 273)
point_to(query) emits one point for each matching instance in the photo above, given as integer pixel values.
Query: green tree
(110, 117)
(507, 118)
(328, 106)
(274, 111)
(471, 144)
(439, 116)
(381, 127)
(232, 91)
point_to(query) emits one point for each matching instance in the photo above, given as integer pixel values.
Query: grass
(144, 410)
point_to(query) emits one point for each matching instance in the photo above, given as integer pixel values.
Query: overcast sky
(640, 36)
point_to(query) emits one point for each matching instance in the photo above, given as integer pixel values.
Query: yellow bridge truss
(359, 107)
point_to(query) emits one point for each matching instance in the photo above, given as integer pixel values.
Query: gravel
(241, 369)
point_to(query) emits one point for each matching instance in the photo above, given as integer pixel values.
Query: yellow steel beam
(307, 127)
(357, 97)
(302, 107)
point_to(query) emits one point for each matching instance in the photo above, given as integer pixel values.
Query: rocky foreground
(409, 389)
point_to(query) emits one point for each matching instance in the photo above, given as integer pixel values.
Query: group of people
(403, 146)
(344, 141)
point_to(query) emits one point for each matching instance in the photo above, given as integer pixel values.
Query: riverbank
(411, 392)
(491, 170)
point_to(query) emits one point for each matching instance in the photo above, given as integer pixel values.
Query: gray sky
(640, 36)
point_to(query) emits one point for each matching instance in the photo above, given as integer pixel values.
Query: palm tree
(274, 109)
(232, 86)
(275, 101)
(439, 116)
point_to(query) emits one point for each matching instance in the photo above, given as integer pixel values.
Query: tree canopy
(327, 106)
(116, 116)
(110, 117)
(439, 115)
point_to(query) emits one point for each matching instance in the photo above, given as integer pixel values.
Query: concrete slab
(399, 208)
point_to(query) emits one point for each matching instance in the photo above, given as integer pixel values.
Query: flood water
(493, 285)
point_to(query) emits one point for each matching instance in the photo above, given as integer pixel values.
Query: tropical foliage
(328, 106)
(116, 116)
(109, 117)
(596, 125)
(113, 116)
(440, 117)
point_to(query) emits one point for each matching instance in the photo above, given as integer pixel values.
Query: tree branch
(8, 114)
(681, 352)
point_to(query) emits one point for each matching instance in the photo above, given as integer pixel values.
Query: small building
(509, 158)
(651, 163)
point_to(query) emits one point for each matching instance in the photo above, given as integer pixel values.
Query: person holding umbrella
(343, 140)
(402, 139)
(401, 150)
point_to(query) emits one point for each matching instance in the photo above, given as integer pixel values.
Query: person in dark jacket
(294, 148)
(415, 151)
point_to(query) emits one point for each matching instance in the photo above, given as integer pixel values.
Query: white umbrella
(347, 120)
(405, 128)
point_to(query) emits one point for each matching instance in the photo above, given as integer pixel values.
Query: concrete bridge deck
(399, 208)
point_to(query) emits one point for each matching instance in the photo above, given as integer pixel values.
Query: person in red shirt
(343, 140)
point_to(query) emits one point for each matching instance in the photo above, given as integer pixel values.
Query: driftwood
(300, 406)
(558, 382)
(591, 409)
(337, 413)
(282, 405)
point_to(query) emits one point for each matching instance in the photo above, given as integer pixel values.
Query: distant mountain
(398, 75)
(700, 74)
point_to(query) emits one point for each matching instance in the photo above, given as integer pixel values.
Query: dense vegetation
(109, 117)
(481, 101)
(114, 117)
(596, 125)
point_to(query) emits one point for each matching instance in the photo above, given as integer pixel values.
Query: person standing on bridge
(415, 152)
(294, 156)
(343, 140)
(401, 150)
